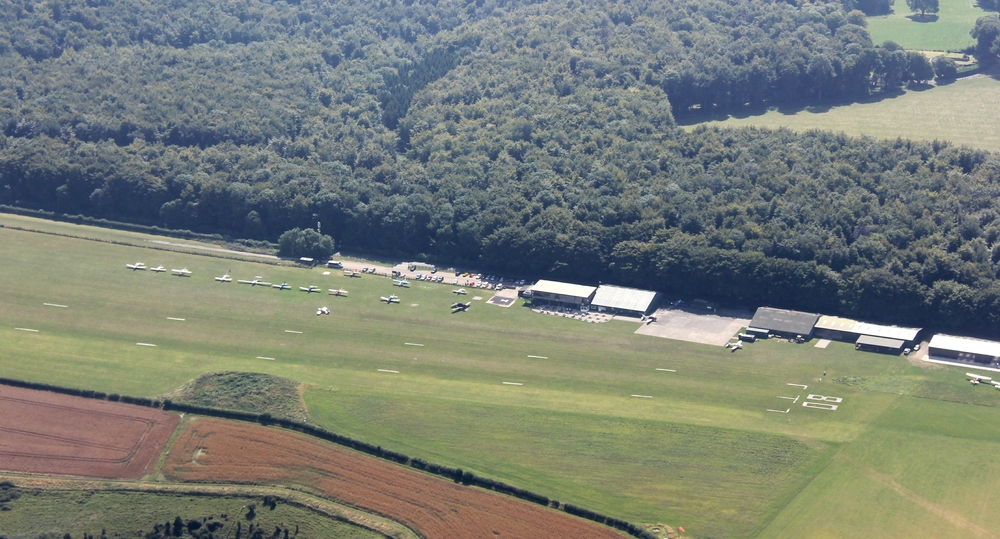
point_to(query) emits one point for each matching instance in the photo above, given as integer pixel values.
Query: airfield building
(782, 322)
(845, 329)
(561, 294)
(625, 301)
(882, 345)
(963, 349)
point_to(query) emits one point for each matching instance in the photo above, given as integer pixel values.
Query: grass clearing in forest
(948, 29)
(965, 112)
(703, 453)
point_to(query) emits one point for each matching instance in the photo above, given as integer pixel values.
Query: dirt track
(42, 432)
(213, 450)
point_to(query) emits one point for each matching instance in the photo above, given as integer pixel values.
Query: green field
(703, 453)
(949, 29)
(121, 514)
(964, 112)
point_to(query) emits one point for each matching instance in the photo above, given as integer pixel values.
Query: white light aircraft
(391, 299)
(401, 283)
(136, 266)
(350, 273)
(183, 272)
(254, 282)
(158, 269)
(224, 279)
(322, 310)
(460, 291)
(311, 289)
(282, 286)
(338, 292)
(976, 379)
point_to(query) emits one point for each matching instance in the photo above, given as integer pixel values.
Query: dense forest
(534, 138)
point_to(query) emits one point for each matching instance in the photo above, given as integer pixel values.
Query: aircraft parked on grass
(322, 310)
(224, 279)
(460, 291)
(183, 272)
(136, 266)
(338, 292)
(460, 307)
(401, 282)
(310, 290)
(254, 282)
(349, 273)
(391, 299)
(976, 379)
(158, 269)
(282, 286)
(735, 345)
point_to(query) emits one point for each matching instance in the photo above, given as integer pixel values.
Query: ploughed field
(213, 450)
(43, 432)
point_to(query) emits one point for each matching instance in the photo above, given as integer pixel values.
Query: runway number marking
(825, 402)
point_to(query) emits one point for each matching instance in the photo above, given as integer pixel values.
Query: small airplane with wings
(349, 273)
(322, 310)
(460, 292)
(224, 279)
(255, 282)
(282, 286)
(338, 292)
(183, 272)
(136, 266)
(460, 307)
(158, 269)
(734, 346)
(402, 283)
(976, 379)
(391, 299)
(310, 289)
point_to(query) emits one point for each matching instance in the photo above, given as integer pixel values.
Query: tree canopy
(923, 6)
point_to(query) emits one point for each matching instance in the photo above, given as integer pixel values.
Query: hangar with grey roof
(625, 301)
(782, 322)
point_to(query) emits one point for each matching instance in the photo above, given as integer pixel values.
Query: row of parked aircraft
(976, 379)
(183, 272)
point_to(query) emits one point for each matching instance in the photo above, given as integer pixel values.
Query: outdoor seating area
(576, 314)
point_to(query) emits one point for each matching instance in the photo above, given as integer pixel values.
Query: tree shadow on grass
(916, 17)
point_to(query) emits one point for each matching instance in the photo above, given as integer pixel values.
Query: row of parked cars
(489, 278)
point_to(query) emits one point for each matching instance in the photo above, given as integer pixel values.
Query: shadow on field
(916, 17)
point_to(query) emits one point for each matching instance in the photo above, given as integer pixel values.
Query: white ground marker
(144, 344)
(538, 357)
(412, 344)
(55, 305)
(267, 358)
(789, 398)
(779, 411)
(667, 370)
(175, 319)
(799, 385)
(512, 383)
(296, 332)
(643, 396)
(27, 329)
(387, 370)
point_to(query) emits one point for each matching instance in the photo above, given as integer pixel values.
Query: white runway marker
(790, 398)
(175, 319)
(412, 344)
(55, 305)
(387, 370)
(667, 370)
(512, 383)
(144, 344)
(296, 332)
(643, 396)
(538, 357)
(779, 411)
(799, 385)
(267, 358)
(27, 329)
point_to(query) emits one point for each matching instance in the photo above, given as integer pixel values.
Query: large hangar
(845, 329)
(783, 322)
(561, 294)
(963, 349)
(625, 301)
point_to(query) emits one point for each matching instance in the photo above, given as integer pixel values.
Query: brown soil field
(213, 450)
(43, 432)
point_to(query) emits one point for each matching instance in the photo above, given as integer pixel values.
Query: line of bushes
(457, 475)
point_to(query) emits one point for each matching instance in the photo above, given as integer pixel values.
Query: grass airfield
(905, 454)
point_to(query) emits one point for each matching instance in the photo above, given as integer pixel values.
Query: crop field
(121, 513)
(49, 433)
(698, 448)
(965, 112)
(215, 450)
(949, 29)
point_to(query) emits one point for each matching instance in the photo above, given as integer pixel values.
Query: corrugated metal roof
(563, 289)
(784, 321)
(864, 328)
(836, 323)
(966, 345)
(629, 299)
(880, 341)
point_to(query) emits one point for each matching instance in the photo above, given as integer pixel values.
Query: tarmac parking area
(688, 325)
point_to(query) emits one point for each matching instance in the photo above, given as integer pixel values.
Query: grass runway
(702, 453)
